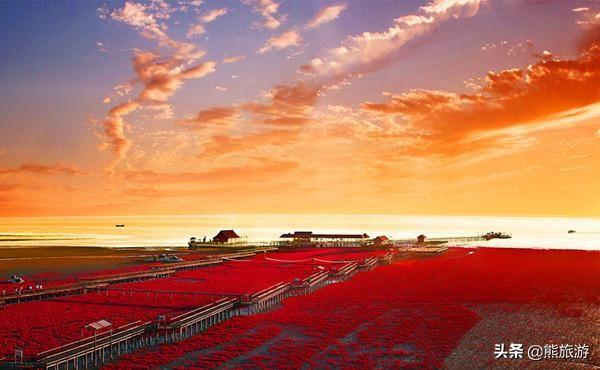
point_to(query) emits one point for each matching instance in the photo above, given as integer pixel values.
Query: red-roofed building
(226, 237)
(381, 241)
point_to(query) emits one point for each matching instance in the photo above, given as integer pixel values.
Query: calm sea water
(173, 231)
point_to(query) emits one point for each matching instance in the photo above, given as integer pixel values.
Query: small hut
(421, 239)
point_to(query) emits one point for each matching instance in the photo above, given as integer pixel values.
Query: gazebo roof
(97, 325)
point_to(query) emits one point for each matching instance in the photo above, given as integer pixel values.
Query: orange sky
(442, 107)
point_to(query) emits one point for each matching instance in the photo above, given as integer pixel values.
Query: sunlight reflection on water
(145, 231)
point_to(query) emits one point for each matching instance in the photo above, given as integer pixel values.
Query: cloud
(220, 88)
(42, 169)
(114, 127)
(372, 51)
(195, 30)
(222, 115)
(162, 77)
(326, 15)
(283, 41)
(160, 74)
(212, 15)
(134, 14)
(224, 144)
(233, 59)
(145, 18)
(290, 106)
(451, 123)
(262, 171)
(269, 10)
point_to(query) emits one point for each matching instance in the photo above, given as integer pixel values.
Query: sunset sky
(282, 106)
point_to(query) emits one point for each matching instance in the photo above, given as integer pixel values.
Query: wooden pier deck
(93, 351)
(98, 282)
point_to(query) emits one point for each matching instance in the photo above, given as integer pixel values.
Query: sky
(462, 107)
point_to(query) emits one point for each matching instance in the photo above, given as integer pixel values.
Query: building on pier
(224, 238)
(227, 237)
(381, 241)
(308, 238)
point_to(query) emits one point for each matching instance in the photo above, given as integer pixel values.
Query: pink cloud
(269, 11)
(282, 41)
(212, 15)
(326, 15)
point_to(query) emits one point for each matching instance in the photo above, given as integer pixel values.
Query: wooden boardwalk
(94, 351)
(99, 282)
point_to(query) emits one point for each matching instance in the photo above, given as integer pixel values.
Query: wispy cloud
(224, 115)
(212, 15)
(282, 41)
(159, 74)
(372, 51)
(43, 169)
(450, 123)
(326, 15)
(233, 59)
(268, 9)
(195, 30)
(291, 105)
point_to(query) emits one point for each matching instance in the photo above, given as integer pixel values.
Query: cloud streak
(282, 41)
(449, 123)
(42, 169)
(216, 115)
(212, 15)
(372, 51)
(160, 74)
(291, 105)
(268, 9)
(326, 15)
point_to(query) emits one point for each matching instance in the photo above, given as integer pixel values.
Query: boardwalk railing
(128, 277)
(449, 240)
(369, 264)
(93, 350)
(96, 282)
(42, 294)
(267, 298)
(196, 321)
(386, 259)
(344, 273)
(96, 350)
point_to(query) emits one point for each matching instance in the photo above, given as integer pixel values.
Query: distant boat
(571, 231)
(167, 258)
(16, 279)
(120, 225)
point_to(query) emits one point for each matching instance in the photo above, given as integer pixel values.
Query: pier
(101, 282)
(100, 348)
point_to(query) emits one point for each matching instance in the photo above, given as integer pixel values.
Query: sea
(175, 230)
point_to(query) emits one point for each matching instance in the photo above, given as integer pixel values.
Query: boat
(167, 258)
(16, 279)
(120, 225)
(571, 231)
